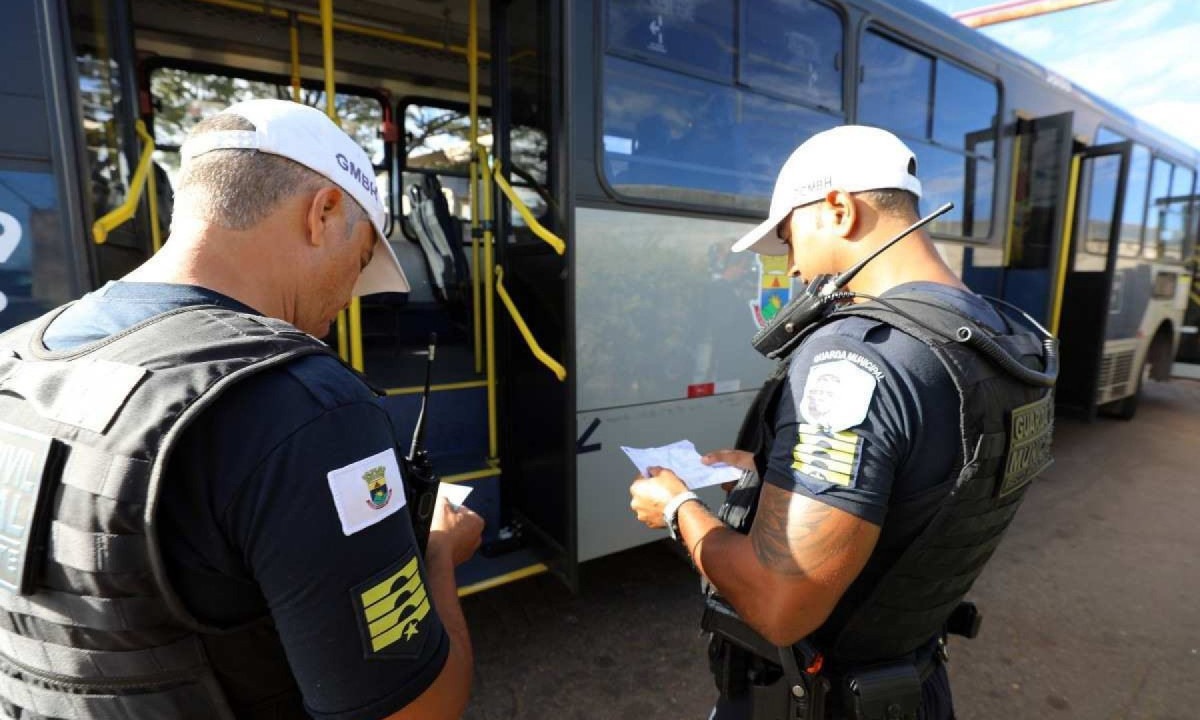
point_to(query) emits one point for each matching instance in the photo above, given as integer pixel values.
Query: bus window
(895, 91)
(100, 95)
(1156, 208)
(673, 137)
(695, 36)
(950, 123)
(1101, 198)
(184, 97)
(438, 139)
(1173, 231)
(964, 104)
(1134, 215)
(680, 137)
(1104, 136)
(793, 48)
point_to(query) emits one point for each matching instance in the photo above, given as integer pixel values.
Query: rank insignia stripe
(392, 608)
(831, 457)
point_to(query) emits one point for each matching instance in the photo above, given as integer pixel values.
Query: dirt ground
(1089, 605)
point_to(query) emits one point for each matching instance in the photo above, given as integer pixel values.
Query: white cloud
(1177, 117)
(1145, 17)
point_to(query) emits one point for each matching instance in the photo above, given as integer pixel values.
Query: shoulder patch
(392, 608)
(838, 390)
(367, 491)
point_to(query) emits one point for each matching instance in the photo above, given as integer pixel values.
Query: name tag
(24, 460)
(1030, 430)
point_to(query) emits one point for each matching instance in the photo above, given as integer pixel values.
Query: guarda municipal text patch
(1030, 430)
(24, 496)
(392, 608)
(367, 491)
(838, 391)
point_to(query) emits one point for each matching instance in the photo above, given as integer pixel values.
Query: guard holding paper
(882, 461)
(204, 513)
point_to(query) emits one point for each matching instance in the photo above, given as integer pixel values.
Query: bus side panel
(648, 282)
(606, 524)
(664, 316)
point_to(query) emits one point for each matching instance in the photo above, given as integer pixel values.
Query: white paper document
(455, 493)
(682, 458)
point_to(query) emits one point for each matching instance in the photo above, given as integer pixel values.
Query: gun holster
(775, 678)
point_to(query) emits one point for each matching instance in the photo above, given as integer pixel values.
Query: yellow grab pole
(1012, 203)
(473, 75)
(1064, 250)
(127, 209)
(349, 324)
(151, 190)
(489, 311)
(294, 39)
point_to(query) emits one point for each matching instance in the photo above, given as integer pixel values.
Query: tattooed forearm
(793, 535)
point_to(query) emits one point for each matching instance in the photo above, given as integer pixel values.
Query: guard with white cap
(882, 461)
(211, 515)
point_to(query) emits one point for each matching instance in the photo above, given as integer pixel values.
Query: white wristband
(671, 511)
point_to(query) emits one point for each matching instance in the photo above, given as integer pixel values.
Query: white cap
(854, 158)
(307, 136)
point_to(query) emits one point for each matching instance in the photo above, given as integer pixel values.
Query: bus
(565, 180)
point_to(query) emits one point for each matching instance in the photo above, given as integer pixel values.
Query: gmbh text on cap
(854, 158)
(305, 135)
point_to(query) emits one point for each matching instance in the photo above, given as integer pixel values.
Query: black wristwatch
(671, 512)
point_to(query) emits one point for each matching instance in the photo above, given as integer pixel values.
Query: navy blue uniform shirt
(252, 522)
(869, 413)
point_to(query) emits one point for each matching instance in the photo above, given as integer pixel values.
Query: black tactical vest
(933, 546)
(92, 627)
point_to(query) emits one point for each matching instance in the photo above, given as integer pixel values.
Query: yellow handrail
(261, 7)
(126, 210)
(551, 239)
(559, 371)
(473, 90)
(1064, 250)
(489, 307)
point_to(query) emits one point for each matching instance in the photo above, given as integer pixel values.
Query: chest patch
(837, 394)
(367, 491)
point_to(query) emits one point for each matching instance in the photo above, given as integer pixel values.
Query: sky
(1141, 55)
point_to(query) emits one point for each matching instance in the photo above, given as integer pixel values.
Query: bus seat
(439, 235)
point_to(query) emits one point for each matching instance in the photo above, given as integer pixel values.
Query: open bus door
(1027, 270)
(537, 418)
(1089, 297)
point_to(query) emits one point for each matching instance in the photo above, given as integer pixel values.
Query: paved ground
(1090, 603)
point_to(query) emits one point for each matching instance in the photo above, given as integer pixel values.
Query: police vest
(932, 547)
(92, 627)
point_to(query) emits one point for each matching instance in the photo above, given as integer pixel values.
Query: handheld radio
(420, 479)
(818, 299)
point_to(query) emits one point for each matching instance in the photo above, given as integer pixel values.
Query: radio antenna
(839, 281)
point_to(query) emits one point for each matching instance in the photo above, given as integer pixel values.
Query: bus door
(536, 386)
(1089, 297)
(42, 262)
(1026, 271)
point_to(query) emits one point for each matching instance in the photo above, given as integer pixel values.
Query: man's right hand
(458, 527)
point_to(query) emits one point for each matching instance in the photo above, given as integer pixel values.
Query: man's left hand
(651, 495)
